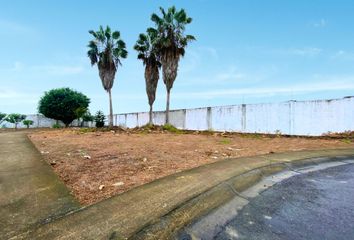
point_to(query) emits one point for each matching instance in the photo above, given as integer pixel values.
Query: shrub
(15, 118)
(87, 117)
(99, 119)
(56, 125)
(63, 104)
(171, 128)
(27, 122)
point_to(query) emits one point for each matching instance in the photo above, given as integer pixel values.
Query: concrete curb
(157, 210)
(170, 224)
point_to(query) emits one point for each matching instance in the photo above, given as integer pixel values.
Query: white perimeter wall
(312, 118)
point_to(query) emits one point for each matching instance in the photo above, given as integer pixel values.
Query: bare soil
(97, 165)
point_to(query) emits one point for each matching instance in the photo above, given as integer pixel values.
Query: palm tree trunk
(168, 107)
(110, 109)
(150, 115)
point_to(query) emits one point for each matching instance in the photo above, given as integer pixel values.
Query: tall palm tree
(171, 44)
(147, 52)
(106, 50)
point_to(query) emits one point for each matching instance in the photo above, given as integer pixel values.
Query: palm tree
(106, 50)
(147, 52)
(171, 44)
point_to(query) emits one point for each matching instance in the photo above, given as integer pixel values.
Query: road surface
(317, 205)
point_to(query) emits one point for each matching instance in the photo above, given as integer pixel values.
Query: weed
(171, 128)
(86, 130)
(225, 141)
(56, 125)
(347, 141)
(148, 126)
(278, 133)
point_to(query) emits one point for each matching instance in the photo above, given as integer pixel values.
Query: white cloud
(58, 69)
(322, 84)
(10, 27)
(231, 75)
(308, 51)
(301, 52)
(17, 98)
(343, 55)
(211, 51)
(20, 67)
(194, 57)
(320, 24)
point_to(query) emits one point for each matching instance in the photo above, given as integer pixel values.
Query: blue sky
(246, 52)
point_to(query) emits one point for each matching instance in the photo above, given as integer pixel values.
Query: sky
(246, 52)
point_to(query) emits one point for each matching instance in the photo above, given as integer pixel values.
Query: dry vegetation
(96, 164)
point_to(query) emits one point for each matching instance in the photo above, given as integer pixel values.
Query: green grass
(347, 141)
(148, 127)
(171, 128)
(225, 141)
(87, 130)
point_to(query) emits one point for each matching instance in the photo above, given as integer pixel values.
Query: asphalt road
(316, 205)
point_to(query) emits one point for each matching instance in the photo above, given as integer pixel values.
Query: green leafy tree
(87, 117)
(80, 112)
(2, 115)
(27, 122)
(171, 44)
(147, 52)
(15, 118)
(99, 119)
(106, 50)
(62, 104)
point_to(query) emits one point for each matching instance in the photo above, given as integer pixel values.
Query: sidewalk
(30, 192)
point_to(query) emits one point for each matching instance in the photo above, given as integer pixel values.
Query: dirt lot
(97, 165)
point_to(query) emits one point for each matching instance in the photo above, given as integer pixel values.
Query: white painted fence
(311, 118)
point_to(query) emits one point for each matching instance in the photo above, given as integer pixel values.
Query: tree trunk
(110, 109)
(168, 107)
(150, 115)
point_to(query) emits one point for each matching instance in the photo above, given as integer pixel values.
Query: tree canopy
(63, 104)
(2, 115)
(106, 50)
(171, 27)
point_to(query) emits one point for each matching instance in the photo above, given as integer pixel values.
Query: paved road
(317, 205)
(30, 192)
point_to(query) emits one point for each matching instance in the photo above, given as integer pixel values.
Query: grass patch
(87, 130)
(149, 127)
(171, 128)
(347, 141)
(225, 141)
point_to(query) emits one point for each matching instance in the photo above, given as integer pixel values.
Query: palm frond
(116, 35)
(104, 51)
(107, 33)
(169, 34)
(156, 19)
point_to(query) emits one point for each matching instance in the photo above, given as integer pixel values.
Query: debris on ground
(141, 155)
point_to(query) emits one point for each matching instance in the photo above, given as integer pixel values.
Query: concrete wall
(311, 118)
(39, 121)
